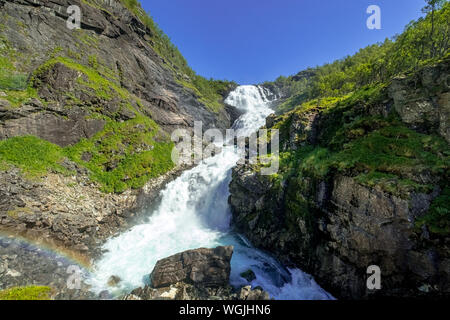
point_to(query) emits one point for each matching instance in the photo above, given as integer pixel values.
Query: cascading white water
(194, 213)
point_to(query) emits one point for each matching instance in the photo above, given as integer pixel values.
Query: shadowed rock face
(203, 267)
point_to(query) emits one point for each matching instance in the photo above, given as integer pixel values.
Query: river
(194, 213)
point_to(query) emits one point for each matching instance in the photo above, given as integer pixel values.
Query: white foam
(194, 213)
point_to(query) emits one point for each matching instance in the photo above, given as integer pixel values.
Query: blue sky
(251, 41)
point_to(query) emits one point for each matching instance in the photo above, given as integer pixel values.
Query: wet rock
(203, 267)
(423, 100)
(186, 291)
(248, 275)
(113, 281)
(335, 227)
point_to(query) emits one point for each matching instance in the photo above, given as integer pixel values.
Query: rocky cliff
(86, 116)
(363, 181)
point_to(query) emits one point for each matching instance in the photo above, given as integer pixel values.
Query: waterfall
(194, 213)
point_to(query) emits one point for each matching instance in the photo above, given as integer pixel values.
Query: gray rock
(423, 100)
(335, 228)
(248, 275)
(203, 267)
(113, 281)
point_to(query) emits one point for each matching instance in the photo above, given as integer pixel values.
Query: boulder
(203, 267)
(248, 275)
(257, 294)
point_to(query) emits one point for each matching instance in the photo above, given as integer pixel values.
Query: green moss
(438, 217)
(86, 39)
(34, 156)
(392, 183)
(377, 151)
(26, 293)
(124, 155)
(248, 275)
(10, 77)
(15, 212)
(210, 92)
(393, 149)
(93, 80)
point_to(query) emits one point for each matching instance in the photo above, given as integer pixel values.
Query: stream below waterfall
(194, 213)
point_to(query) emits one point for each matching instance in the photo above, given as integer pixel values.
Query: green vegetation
(102, 87)
(33, 155)
(424, 41)
(210, 92)
(26, 293)
(122, 156)
(10, 78)
(125, 154)
(438, 218)
(378, 152)
(13, 82)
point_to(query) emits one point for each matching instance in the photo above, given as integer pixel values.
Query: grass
(377, 151)
(102, 87)
(13, 82)
(387, 157)
(10, 77)
(33, 155)
(26, 293)
(124, 155)
(209, 98)
(17, 98)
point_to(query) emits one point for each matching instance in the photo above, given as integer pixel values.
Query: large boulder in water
(202, 267)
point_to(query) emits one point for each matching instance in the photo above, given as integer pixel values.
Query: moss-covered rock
(26, 293)
(357, 186)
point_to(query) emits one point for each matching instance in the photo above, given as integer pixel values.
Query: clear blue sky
(251, 41)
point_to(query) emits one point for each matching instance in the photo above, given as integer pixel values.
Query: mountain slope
(92, 111)
(364, 172)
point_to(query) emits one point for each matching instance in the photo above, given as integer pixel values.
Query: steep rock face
(105, 95)
(112, 40)
(423, 101)
(323, 215)
(58, 121)
(69, 211)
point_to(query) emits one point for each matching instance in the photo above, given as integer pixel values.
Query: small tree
(431, 7)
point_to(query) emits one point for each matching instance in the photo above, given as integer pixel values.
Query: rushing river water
(194, 213)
